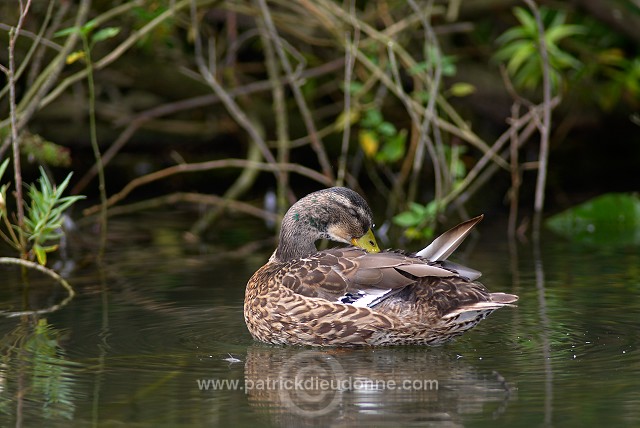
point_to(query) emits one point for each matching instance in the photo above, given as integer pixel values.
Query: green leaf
(510, 35)
(89, 26)
(448, 69)
(418, 209)
(64, 183)
(525, 17)
(554, 34)
(41, 254)
(612, 219)
(355, 87)
(406, 219)
(3, 167)
(104, 34)
(418, 68)
(66, 32)
(523, 54)
(372, 118)
(394, 148)
(387, 129)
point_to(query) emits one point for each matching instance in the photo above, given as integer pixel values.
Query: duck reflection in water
(396, 386)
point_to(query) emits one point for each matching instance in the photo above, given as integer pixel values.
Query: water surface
(155, 337)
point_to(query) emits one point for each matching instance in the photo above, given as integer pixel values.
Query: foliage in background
(251, 89)
(519, 47)
(379, 139)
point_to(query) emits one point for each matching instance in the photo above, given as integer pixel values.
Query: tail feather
(444, 245)
(503, 298)
(468, 312)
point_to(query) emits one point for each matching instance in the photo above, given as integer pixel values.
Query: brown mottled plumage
(349, 296)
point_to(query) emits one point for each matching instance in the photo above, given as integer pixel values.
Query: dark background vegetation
(162, 75)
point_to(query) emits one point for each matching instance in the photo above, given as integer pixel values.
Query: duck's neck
(298, 235)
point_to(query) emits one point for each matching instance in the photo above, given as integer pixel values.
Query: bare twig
(515, 174)
(205, 166)
(11, 79)
(119, 50)
(95, 147)
(40, 56)
(346, 113)
(38, 40)
(281, 117)
(491, 169)
(36, 37)
(139, 120)
(545, 126)
(232, 107)
(45, 270)
(457, 127)
(316, 144)
(36, 95)
(239, 186)
(525, 120)
(194, 198)
(436, 151)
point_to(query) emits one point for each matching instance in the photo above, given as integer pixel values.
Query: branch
(194, 198)
(545, 126)
(316, 144)
(232, 107)
(205, 166)
(45, 270)
(133, 124)
(17, 172)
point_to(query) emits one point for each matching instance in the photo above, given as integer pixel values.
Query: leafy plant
(380, 139)
(43, 222)
(43, 217)
(612, 219)
(418, 221)
(623, 79)
(520, 47)
(89, 36)
(447, 63)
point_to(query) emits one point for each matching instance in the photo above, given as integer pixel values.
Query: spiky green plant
(43, 216)
(519, 47)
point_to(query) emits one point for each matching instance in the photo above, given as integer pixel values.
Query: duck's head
(338, 214)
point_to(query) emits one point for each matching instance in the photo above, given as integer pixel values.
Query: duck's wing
(355, 277)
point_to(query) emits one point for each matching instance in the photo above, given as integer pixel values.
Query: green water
(159, 319)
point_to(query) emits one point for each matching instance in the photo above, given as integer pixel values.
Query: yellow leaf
(341, 122)
(74, 56)
(369, 143)
(462, 89)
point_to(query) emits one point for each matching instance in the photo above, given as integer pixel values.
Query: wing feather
(355, 277)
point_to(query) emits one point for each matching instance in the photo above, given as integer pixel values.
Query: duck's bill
(367, 242)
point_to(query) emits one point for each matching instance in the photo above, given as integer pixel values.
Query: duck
(358, 295)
